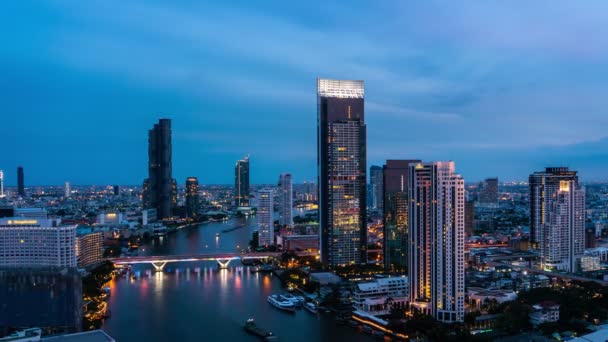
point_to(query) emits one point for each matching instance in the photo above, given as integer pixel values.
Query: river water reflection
(210, 305)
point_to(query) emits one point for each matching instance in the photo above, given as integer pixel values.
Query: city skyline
(495, 86)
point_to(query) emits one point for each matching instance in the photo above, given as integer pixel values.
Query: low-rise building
(379, 296)
(298, 242)
(478, 296)
(590, 263)
(544, 312)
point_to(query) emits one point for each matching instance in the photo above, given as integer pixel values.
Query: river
(211, 305)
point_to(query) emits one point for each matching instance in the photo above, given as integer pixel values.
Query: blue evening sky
(503, 88)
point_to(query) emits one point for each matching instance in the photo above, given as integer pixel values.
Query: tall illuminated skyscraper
(375, 181)
(544, 185)
(265, 217)
(395, 192)
(341, 142)
(159, 187)
(1, 183)
(285, 200)
(67, 190)
(241, 182)
(20, 182)
(192, 202)
(557, 208)
(436, 240)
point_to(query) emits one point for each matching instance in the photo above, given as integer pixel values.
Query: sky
(502, 88)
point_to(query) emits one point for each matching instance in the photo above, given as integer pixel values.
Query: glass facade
(342, 172)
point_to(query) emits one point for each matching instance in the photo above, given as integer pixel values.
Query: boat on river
(311, 307)
(278, 303)
(296, 300)
(253, 329)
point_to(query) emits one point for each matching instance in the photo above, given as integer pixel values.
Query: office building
(241, 182)
(33, 213)
(562, 236)
(342, 175)
(20, 182)
(148, 216)
(285, 200)
(375, 181)
(265, 217)
(36, 243)
(469, 218)
(395, 192)
(67, 190)
(192, 197)
(160, 187)
(543, 186)
(89, 248)
(436, 241)
(110, 219)
(116, 190)
(1, 184)
(488, 194)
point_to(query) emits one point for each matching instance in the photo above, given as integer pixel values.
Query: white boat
(311, 307)
(278, 303)
(296, 300)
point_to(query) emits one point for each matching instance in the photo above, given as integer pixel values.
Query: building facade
(376, 183)
(36, 243)
(395, 193)
(543, 186)
(562, 236)
(379, 296)
(89, 249)
(159, 187)
(265, 217)
(67, 189)
(436, 240)
(285, 200)
(488, 194)
(342, 159)
(1, 184)
(241, 183)
(20, 182)
(192, 202)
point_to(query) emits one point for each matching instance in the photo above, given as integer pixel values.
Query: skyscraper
(436, 240)
(488, 194)
(544, 185)
(159, 186)
(20, 182)
(375, 180)
(562, 235)
(265, 217)
(285, 200)
(395, 192)
(341, 142)
(116, 190)
(241, 182)
(1, 184)
(67, 190)
(192, 197)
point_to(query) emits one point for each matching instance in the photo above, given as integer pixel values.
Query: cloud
(402, 112)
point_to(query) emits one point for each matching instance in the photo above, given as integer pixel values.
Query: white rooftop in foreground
(87, 336)
(601, 335)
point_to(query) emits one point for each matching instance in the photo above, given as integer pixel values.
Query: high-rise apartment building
(36, 243)
(159, 187)
(285, 200)
(1, 184)
(67, 190)
(192, 202)
(265, 217)
(341, 142)
(89, 248)
(436, 240)
(562, 235)
(488, 194)
(375, 181)
(543, 186)
(241, 182)
(395, 184)
(20, 182)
